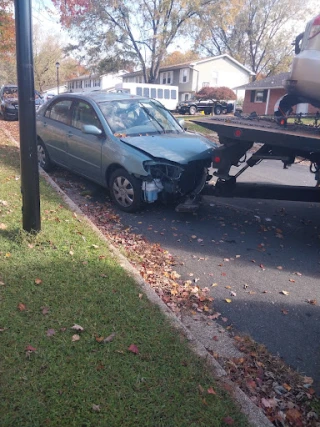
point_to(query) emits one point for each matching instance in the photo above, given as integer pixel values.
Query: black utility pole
(27, 118)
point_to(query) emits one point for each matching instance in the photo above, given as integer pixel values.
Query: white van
(166, 94)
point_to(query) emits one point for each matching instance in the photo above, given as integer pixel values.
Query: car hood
(180, 148)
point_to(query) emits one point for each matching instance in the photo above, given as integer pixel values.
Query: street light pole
(58, 65)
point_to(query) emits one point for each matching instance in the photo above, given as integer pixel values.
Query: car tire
(217, 110)
(192, 110)
(125, 191)
(44, 160)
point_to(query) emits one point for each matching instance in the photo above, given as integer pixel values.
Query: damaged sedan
(129, 144)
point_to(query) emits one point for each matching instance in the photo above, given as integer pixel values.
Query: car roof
(99, 96)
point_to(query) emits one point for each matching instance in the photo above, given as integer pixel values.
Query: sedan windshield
(138, 117)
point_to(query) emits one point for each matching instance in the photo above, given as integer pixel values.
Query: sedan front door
(84, 149)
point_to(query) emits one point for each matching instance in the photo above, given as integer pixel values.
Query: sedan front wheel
(125, 190)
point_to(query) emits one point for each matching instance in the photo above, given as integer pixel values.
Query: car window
(60, 111)
(138, 117)
(84, 114)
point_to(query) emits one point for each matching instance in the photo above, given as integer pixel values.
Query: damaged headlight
(163, 170)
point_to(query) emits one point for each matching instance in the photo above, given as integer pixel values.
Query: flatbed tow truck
(292, 142)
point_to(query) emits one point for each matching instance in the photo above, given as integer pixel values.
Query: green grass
(81, 283)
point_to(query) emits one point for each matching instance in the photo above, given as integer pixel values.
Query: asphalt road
(252, 250)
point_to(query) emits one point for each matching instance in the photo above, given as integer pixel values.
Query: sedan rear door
(53, 128)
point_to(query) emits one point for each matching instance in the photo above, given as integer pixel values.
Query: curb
(254, 414)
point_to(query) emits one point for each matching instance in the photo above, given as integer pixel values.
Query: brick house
(262, 95)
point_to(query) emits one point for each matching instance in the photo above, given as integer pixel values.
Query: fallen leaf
(45, 310)
(293, 415)
(50, 332)
(297, 273)
(228, 300)
(233, 294)
(284, 292)
(284, 311)
(292, 280)
(228, 420)
(38, 281)
(312, 301)
(99, 339)
(96, 408)
(140, 296)
(200, 388)
(21, 307)
(211, 391)
(3, 329)
(75, 337)
(215, 338)
(110, 337)
(133, 348)
(94, 246)
(30, 348)
(3, 226)
(280, 267)
(77, 328)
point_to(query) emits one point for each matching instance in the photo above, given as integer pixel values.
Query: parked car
(9, 102)
(9, 107)
(129, 144)
(195, 105)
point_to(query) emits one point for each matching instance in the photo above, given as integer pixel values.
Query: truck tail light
(216, 159)
(315, 29)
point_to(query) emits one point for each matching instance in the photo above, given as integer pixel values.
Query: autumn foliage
(221, 93)
(7, 30)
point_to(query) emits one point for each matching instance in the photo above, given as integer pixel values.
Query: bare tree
(258, 33)
(141, 30)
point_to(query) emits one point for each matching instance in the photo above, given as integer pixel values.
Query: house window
(214, 78)
(153, 92)
(78, 84)
(87, 83)
(259, 96)
(96, 83)
(166, 78)
(184, 75)
(160, 93)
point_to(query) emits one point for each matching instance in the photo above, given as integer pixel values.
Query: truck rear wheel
(192, 110)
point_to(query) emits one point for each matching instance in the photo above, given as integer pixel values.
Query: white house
(91, 82)
(191, 76)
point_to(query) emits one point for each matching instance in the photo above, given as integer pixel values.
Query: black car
(195, 105)
(9, 102)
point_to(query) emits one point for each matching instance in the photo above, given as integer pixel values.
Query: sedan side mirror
(182, 123)
(91, 130)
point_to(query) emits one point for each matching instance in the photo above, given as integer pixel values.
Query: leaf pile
(286, 397)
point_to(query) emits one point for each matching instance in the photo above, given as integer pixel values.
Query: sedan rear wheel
(43, 157)
(125, 190)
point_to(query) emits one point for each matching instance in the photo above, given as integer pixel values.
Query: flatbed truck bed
(237, 136)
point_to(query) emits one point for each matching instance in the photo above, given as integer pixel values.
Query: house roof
(192, 64)
(271, 82)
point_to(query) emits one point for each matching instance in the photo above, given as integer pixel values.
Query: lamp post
(58, 65)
